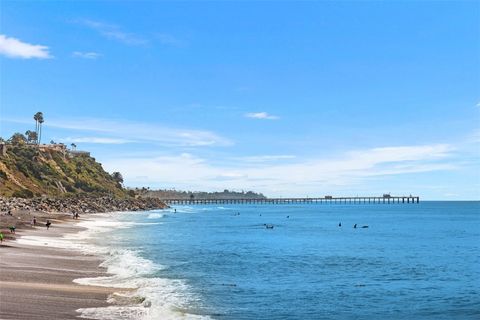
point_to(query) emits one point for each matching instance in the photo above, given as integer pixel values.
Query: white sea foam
(156, 215)
(153, 297)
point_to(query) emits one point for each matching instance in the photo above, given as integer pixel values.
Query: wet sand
(36, 281)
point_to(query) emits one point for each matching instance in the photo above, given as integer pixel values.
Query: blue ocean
(414, 261)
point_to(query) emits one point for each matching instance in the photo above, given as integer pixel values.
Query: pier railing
(324, 200)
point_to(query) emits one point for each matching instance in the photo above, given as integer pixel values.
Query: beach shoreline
(36, 281)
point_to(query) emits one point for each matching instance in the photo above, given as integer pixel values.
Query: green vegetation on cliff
(30, 170)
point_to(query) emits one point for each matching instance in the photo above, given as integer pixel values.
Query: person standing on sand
(34, 221)
(48, 224)
(1, 237)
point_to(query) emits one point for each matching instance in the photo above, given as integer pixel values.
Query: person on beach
(77, 216)
(12, 229)
(48, 224)
(1, 237)
(34, 221)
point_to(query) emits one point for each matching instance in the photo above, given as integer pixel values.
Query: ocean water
(414, 261)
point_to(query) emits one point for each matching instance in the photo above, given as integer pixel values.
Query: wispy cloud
(266, 158)
(86, 55)
(139, 132)
(14, 48)
(261, 115)
(96, 140)
(114, 32)
(297, 178)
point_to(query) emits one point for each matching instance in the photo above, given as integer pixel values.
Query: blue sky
(286, 98)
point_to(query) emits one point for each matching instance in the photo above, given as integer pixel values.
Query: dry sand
(36, 281)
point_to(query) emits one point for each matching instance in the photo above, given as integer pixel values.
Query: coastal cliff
(28, 171)
(51, 178)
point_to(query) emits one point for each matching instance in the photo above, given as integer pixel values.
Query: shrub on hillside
(24, 193)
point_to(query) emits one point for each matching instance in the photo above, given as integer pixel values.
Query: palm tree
(37, 116)
(74, 146)
(40, 121)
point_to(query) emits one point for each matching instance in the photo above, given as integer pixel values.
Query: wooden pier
(324, 200)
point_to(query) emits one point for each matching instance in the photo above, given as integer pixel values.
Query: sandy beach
(36, 281)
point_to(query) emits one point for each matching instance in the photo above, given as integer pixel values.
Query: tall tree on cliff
(40, 122)
(37, 117)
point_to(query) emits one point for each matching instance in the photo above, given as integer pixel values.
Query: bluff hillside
(29, 171)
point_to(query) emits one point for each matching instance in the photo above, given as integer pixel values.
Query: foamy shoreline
(124, 282)
(150, 296)
(36, 281)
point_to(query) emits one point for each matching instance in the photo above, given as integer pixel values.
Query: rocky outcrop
(81, 204)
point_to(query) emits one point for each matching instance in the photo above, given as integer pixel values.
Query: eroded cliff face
(27, 171)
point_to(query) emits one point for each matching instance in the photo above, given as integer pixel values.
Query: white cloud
(142, 132)
(114, 32)
(261, 115)
(314, 176)
(86, 55)
(14, 48)
(230, 176)
(266, 158)
(97, 140)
